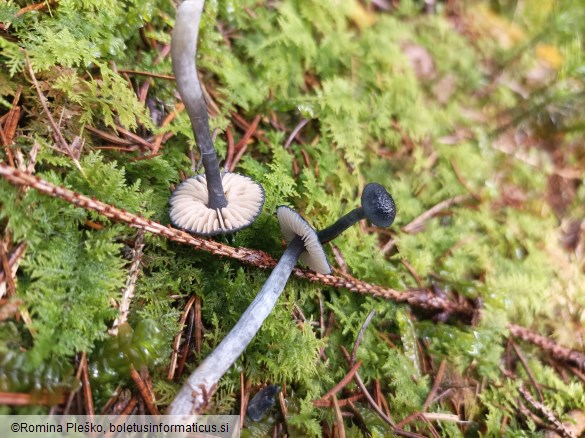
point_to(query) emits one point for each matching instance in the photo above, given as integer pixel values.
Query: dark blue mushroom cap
(378, 205)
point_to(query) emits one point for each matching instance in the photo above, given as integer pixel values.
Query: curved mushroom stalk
(377, 205)
(202, 382)
(205, 204)
(304, 244)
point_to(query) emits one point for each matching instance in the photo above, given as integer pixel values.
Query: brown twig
(342, 383)
(128, 291)
(242, 145)
(20, 399)
(373, 404)
(528, 371)
(548, 414)
(230, 149)
(7, 270)
(343, 402)
(158, 140)
(145, 392)
(186, 343)
(418, 298)
(295, 131)
(244, 398)
(548, 345)
(64, 146)
(177, 340)
(147, 73)
(34, 7)
(430, 396)
(87, 397)
(338, 417)
(418, 223)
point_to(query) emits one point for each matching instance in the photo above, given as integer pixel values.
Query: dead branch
(417, 298)
(548, 345)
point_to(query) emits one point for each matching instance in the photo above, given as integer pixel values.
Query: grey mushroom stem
(194, 394)
(343, 223)
(183, 53)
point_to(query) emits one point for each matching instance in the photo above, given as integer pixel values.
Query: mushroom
(377, 206)
(303, 241)
(215, 202)
(304, 244)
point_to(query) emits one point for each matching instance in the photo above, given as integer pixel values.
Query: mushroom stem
(342, 224)
(183, 53)
(194, 394)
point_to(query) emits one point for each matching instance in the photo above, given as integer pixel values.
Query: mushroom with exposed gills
(211, 203)
(304, 244)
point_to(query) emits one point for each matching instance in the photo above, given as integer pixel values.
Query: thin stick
(56, 131)
(430, 396)
(528, 371)
(177, 340)
(147, 73)
(230, 149)
(295, 131)
(548, 345)
(7, 270)
(87, 397)
(360, 335)
(146, 394)
(128, 291)
(20, 399)
(242, 145)
(418, 223)
(547, 413)
(342, 383)
(338, 417)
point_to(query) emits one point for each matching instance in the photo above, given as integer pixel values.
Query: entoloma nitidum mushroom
(212, 203)
(304, 243)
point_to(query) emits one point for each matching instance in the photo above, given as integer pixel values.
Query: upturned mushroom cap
(292, 225)
(189, 210)
(378, 205)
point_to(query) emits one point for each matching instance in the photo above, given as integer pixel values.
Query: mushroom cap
(292, 225)
(190, 213)
(378, 205)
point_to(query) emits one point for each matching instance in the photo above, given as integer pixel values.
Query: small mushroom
(213, 203)
(203, 381)
(377, 206)
(305, 244)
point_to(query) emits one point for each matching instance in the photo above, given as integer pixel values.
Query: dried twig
(360, 335)
(418, 298)
(429, 400)
(338, 417)
(7, 270)
(87, 397)
(128, 291)
(548, 414)
(342, 383)
(148, 74)
(145, 392)
(295, 131)
(555, 350)
(64, 146)
(242, 145)
(418, 223)
(20, 399)
(177, 340)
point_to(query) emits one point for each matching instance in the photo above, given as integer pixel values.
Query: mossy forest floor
(469, 112)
